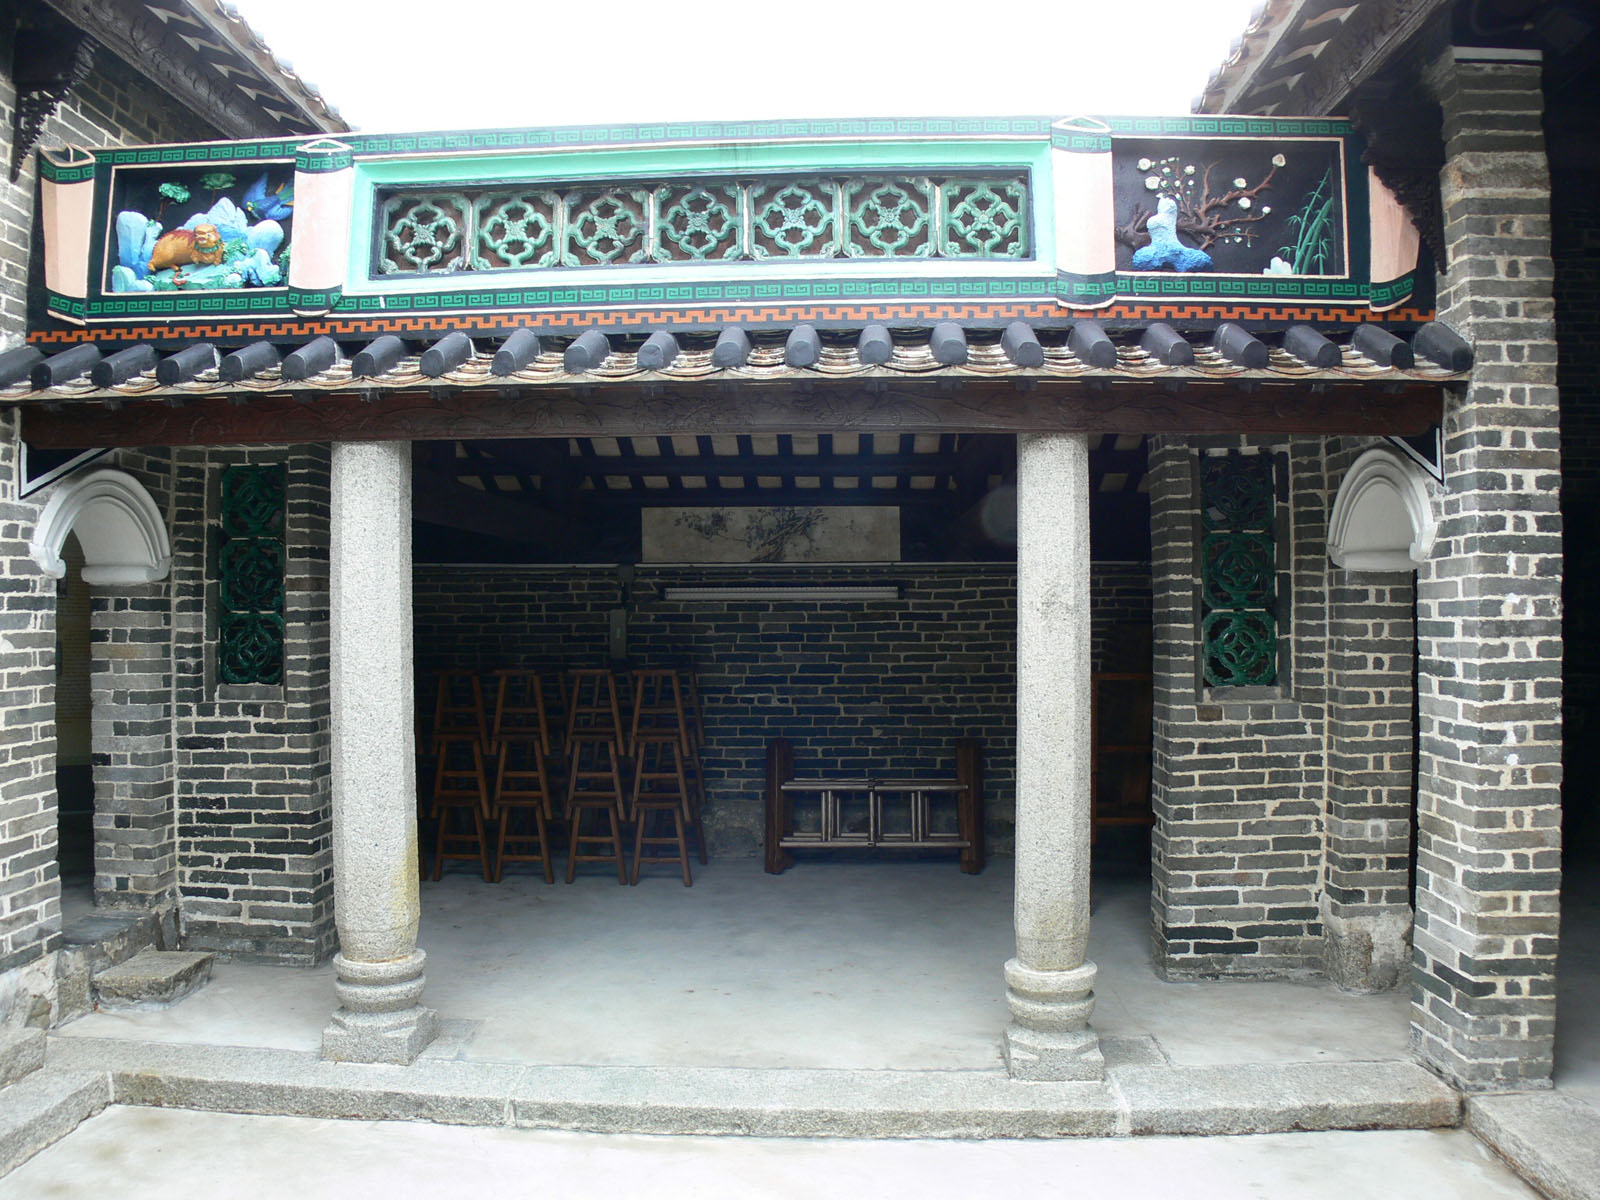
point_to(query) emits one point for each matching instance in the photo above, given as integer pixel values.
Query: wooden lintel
(977, 406)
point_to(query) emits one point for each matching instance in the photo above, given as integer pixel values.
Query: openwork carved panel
(250, 576)
(425, 233)
(699, 222)
(1239, 569)
(889, 216)
(515, 229)
(984, 218)
(606, 227)
(767, 218)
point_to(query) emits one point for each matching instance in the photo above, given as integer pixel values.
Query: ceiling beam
(853, 465)
(1070, 406)
(441, 499)
(866, 497)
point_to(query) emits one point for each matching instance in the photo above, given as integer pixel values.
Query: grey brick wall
(116, 106)
(255, 866)
(1239, 774)
(30, 891)
(1489, 611)
(856, 685)
(130, 649)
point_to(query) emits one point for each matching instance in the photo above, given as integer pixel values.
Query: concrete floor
(153, 1154)
(879, 965)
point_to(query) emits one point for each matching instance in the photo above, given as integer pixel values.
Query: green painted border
(1077, 142)
(580, 137)
(73, 172)
(318, 162)
(1078, 288)
(301, 301)
(1263, 287)
(69, 307)
(1228, 126)
(1393, 291)
(257, 303)
(707, 293)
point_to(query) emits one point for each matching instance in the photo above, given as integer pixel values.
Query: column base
(1054, 1057)
(390, 1037)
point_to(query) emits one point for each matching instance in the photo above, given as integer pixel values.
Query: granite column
(1050, 982)
(376, 906)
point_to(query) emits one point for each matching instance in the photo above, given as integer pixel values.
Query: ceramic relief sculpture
(1230, 208)
(240, 240)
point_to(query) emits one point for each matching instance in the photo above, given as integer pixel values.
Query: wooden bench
(859, 812)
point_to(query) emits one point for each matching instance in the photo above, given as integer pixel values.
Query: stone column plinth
(1050, 983)
(376, 907)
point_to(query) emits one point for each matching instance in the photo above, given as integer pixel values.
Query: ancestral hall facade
(256, 369)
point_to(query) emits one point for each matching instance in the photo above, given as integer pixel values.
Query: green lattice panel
(250, 563)
(889, 217)
(425, 232)
(1239, 586)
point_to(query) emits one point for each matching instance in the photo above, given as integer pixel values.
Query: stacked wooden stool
(667, 780)
(594, 751)
(460, 785)
(520, 742)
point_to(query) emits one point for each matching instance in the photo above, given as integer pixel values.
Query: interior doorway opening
(74, 761)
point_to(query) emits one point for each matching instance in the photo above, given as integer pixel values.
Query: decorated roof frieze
(1077, 213)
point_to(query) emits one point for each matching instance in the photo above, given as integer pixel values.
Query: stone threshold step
(152, 978)
(41, 1109)
(1551, 1140)
(1134, 1099)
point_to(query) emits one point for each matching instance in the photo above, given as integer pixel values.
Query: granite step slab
(152, 978)
(1134, 1099)
(1550, 1139)
(21, 1054)
(43, 1107)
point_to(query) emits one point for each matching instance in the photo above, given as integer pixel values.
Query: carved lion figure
(200, 246)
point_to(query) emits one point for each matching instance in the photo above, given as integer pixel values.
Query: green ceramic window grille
(250, 576)
(1239, 569)
(769, 218)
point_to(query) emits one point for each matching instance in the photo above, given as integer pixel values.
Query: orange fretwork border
(563, 320)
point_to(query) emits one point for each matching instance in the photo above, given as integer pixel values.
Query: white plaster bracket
(118, 525)
(1383, 517)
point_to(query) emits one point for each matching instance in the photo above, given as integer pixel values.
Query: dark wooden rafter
(785, 462)
(440, 498)
(622, 409)
(1356, 51)
(156, 48)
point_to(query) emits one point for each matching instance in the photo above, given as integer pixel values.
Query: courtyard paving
(155, 1154)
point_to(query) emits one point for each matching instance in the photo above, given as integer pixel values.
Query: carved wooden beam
(156, 49)
(48, 65)
(622, 410)
(1362, 45)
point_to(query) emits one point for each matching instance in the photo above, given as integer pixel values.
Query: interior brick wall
(857, 685)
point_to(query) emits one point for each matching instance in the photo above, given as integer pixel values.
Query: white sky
(404, 64)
